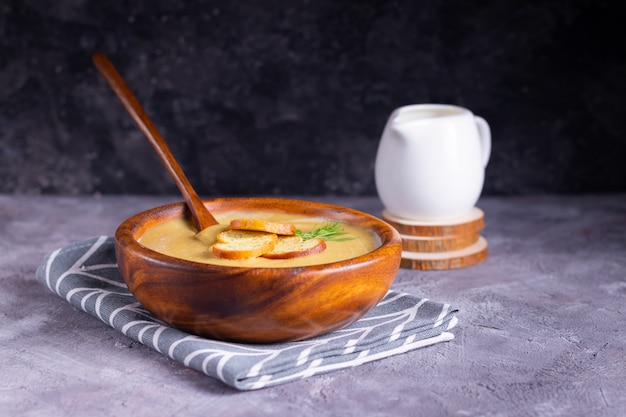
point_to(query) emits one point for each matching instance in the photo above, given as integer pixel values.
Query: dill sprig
(328, 231)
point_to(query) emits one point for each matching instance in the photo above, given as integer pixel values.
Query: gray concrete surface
(541, 329)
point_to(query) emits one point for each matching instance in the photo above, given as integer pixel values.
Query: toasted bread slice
(295, 246)
(263, 226)
(233, 236)
(243, 244)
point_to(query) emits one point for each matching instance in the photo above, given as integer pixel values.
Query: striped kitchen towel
(85, 274)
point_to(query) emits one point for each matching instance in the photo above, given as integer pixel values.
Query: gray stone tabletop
(541, 326)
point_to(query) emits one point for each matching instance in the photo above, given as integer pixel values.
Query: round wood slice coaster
(438, 244)
(468, 256)
(472, 222)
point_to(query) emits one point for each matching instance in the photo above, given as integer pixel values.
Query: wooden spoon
(202, 218)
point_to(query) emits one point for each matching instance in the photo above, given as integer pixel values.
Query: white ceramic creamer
(431, 161)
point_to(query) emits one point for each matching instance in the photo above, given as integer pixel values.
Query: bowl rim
(126, 232)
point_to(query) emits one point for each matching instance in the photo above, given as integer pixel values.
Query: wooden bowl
(257, 305)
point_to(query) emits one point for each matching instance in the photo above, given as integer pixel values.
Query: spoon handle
(201, 216)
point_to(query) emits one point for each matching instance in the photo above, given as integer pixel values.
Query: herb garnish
(328, 231)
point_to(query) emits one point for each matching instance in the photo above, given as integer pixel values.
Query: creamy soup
(178, 238)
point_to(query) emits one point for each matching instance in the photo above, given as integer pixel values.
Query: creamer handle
(484, 134)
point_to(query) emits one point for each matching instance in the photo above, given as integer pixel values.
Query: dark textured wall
(290, 97)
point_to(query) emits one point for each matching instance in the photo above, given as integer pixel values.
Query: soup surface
(177, 238)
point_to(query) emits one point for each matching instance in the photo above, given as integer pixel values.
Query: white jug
(431, 161)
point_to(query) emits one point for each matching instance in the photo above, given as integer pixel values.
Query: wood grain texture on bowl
(257, 305)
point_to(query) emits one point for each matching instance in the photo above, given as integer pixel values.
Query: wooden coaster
(469, 223)
(468, 256)
(438, 244)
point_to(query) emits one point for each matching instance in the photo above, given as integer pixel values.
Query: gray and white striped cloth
(85, 274)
